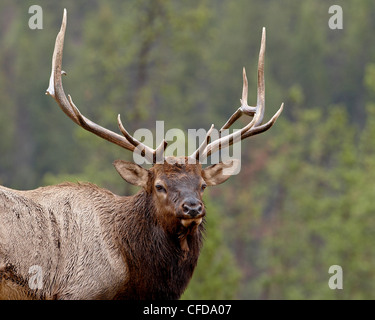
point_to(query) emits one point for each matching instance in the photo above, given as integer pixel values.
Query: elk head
(175, 184)
(176, 187)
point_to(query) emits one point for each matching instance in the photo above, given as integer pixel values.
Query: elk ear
(132, 173)
(220, 172)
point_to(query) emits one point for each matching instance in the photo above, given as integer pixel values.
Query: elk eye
(160, 188)
(203, 186)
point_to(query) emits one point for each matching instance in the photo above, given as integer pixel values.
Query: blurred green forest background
(304, 198)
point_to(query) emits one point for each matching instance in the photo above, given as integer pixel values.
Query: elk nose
(192, 207)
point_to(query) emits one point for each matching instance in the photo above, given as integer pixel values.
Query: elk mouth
(188, 221)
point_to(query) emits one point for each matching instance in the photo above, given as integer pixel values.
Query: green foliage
(321, 217)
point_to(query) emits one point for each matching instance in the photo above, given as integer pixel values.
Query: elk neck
(159, 268)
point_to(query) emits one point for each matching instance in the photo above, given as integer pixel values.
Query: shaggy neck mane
(158, 267)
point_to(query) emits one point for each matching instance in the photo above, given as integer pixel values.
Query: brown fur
(92, 244)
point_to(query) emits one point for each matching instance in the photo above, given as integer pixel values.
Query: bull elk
(89, 243)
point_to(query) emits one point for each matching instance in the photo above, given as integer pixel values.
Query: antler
(128, 142)
(56, 90)
(254, 126)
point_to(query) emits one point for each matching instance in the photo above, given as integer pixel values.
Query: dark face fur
(176, 187)
(177, 193)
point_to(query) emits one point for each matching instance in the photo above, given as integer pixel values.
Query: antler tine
(56, 90)
(199, 152)
(245, 89)
(244, 108)
(150, 154)
(261, 90)
(254, 126)
(259, 129)
(159, 152)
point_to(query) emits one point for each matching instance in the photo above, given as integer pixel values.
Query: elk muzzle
(192, 207)
(191, 211)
